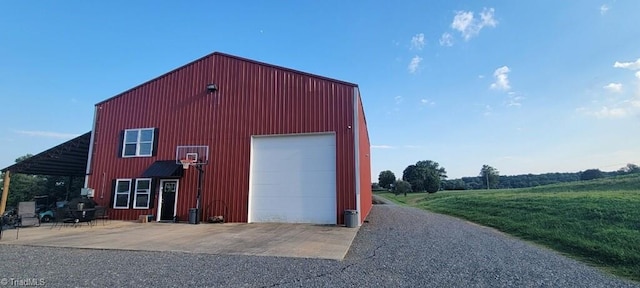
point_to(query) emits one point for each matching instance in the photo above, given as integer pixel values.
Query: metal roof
(66, 159)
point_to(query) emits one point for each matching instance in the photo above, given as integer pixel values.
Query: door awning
(163, 169)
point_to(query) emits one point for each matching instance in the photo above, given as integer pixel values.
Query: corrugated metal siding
(365, 162)
(252, 99)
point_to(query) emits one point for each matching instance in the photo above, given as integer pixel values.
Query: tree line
(428, 176)
(425, 175)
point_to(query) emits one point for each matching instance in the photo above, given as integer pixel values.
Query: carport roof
(66, 159)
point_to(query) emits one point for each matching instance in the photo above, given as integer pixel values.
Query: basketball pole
(198, 195)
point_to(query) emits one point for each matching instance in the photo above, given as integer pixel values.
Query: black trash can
(193, 216)
(351, 218)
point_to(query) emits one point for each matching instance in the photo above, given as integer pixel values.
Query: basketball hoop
(186, 163)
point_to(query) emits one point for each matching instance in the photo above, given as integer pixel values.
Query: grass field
(596, 221)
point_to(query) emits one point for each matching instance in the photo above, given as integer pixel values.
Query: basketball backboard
(198, 154)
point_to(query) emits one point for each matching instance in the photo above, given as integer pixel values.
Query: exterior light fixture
(212, 87)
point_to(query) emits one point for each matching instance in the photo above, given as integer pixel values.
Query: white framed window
(143, 194)
(122, 194)
(138, 142)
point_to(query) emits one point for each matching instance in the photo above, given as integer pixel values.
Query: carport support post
(5, 191)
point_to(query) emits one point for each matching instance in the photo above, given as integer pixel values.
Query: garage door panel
(296, 183)
(298, 211)
(320, 177)
(270, 177)
(293, 179)
(274, 203)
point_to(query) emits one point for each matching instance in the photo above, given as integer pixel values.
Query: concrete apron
(259, 239)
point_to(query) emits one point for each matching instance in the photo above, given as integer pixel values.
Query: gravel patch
(399, 247)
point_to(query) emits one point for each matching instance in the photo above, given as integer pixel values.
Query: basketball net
(186, 163)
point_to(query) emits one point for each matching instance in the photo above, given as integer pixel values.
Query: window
(122, 193)
(138, 142)
(142, 195)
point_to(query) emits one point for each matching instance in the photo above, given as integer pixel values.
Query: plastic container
(351, 218)
(193, 216)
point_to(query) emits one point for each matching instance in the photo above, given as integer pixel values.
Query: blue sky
(524, 86)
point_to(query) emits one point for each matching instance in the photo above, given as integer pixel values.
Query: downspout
(89, 157)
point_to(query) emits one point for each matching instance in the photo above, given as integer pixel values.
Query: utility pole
(486, 172)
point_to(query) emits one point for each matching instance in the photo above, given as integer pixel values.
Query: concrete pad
(264, 239)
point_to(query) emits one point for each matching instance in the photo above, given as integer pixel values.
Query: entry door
(169, 194)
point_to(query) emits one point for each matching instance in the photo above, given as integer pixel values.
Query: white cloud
(462, 21)
(613, 87)
(480, 76)
(398, 99)
(603, 9)
(412, 146)
(487, 18)
(628, 65)
(514, 100)
(502, 79)
(446, 39)
(382, 147)
(469, 26)
(427, 102)
(417, 42)
(414, 64)
(48, 134)
(607, 112)
(635, 103)
(612, 106)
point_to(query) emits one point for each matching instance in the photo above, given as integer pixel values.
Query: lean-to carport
(67, 159)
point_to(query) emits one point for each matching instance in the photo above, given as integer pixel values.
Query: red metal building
(284, 145)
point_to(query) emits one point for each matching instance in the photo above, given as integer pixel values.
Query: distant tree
(523, 180)
(490, 176)
(375, 186)
(386, 178)
(454, 184)
(23, 187)
(472, 183)
(591, 174)
(402, 187)
(413, 175)
(425, 175)
(629, 169)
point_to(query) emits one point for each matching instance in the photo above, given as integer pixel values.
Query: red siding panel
(252, 99)
(364, 149)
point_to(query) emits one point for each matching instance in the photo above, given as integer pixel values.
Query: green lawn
(594, 221)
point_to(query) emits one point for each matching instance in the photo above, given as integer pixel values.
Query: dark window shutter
(152, 194)
(112, 203)
(156, 138)
(132, 193)
(121, 144)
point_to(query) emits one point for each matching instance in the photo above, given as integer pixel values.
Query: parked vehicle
(47, 214)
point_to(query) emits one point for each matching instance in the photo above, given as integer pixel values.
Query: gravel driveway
(399, 247)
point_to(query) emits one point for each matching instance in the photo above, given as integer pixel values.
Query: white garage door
(293, 179)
